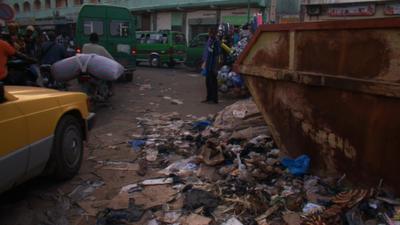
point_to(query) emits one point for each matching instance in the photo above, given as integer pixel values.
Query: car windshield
(154, 38)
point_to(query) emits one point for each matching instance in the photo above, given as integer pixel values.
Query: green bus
(162, 47)
(194, 57)
(116, 29)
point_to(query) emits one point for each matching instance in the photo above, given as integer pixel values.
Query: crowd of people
(35, 47)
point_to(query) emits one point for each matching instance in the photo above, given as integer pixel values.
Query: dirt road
(42, 201)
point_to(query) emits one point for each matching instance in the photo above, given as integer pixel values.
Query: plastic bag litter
(201, 125)
(137, 144)
(311, 208)
(298, 166)
(182, 167)
(232, 221)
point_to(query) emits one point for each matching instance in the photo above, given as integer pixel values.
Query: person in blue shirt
(210, 66)
(51, 52)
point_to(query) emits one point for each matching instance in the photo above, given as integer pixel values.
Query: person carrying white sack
(94, 48)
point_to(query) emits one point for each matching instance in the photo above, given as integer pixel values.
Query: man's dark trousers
(212, 87)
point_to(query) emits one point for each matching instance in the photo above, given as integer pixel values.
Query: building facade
(188, 16)
(325, 10)
(193, 18)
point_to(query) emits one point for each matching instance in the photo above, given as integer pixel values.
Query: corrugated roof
(322, 2)
(141, 5)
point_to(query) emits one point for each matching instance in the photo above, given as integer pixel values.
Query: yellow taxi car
(41, 132)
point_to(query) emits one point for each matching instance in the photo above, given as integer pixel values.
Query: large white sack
(104, 68)
(66, 69)
(98, 66)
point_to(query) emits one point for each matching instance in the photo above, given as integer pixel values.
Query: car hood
(26, 92)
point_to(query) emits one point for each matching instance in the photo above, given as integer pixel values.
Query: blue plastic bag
(201, 125)
(298, 166)
(237, 80)
(204, 72)
(137, 144)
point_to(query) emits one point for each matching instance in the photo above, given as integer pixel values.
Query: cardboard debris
(292, 218)
(87, 206)
(121, 201)
(152, 196)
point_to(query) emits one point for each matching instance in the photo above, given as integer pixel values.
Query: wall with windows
(28, 11)
(38, 5)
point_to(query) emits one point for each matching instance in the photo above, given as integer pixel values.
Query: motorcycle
(98, 91)
(47, 80)
(22, 72)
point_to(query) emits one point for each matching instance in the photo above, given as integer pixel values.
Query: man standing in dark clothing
(210, 66)
(30, 42)
(51, 52)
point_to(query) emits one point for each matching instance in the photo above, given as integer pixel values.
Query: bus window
(119, 28)
(179, 39)
(141, 38)
(92, 26)
(153, 38)
(164, 39)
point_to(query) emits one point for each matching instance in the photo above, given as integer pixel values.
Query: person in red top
(6, 51)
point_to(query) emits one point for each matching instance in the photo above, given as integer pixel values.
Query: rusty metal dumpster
(331, 90)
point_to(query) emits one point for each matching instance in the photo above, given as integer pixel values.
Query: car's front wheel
(66, 156)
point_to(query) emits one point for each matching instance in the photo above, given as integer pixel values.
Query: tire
(155, 61)
(67, 153)
(129, 76)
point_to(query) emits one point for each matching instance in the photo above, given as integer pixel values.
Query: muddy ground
(42, 201)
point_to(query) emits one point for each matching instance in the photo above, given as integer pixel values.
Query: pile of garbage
(240, 46)
(227, 170)
(229, 80)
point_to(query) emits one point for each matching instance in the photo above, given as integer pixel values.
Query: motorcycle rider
(94, 48)
(51, 52)
(6, 52)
